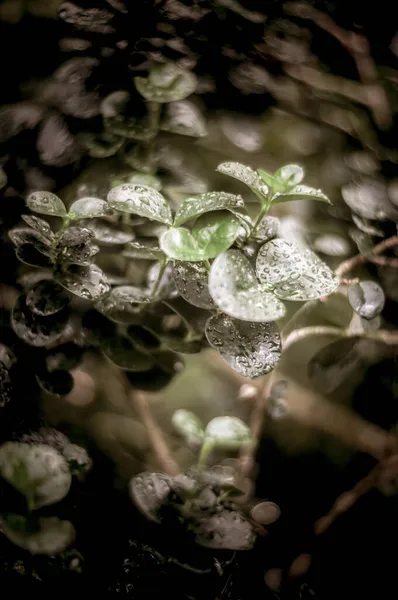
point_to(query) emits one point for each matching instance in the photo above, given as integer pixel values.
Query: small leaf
(211, 201)
(184, 118)
(228, 433)
(88, 208)
(75, 246)
(234, 288)
(271, 181)
(87, 282)
(225, 530)
(289, 175)
(136, 250)
(266, 229)
(166, 83)
(245, 174)
(369, 199)
(188, 426)
(30, 255)
(293, 273)
(191, 279)
(46, 298)
(46, 203)
(300, 192)
(140, 200)
(50, 536)
(39, 225)
(38, 471)
(366, 226)
(120, 350)
(366, 298)
(149, 491)
(21, 236)
(251, 349)
(108, 234)
(35, 330)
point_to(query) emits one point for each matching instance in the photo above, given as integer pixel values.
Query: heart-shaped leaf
(227, 433)
(47, 535)
(184, 118)
(191, 279)
(211, 234)
(166, 83)
(366, 298)
(34, 329)
(38, 471)
(140, 200)
(46, 298)
(88, 208)
(211, 201)
(136, 250)
(108, 234)
(122, 352)
(245, 174)
(149, 492)
(251, 349)
(234, 288)
(294, 273)
(300, 192)
(225, 530)
(46, 203)
(87, 282)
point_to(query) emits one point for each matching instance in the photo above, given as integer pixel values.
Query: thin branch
(155, 434)
(358, 260)
(381, 335)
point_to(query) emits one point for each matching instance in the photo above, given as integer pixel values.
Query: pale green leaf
(210, 201)
(245, 174)
(140, 200)
(46, 203)
(136, 250)
(300, 192)
(88, 208)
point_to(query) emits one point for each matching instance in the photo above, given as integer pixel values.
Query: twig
(382, 335)
(358, 46)
(155, 434)
(357, 260)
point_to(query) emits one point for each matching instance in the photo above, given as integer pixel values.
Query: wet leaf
(122, 352)
(166, 288)
(21, 236)
(88, 208)
(293, 273)
(122, 308)
(245, 174)
(166, 83)
(191, 279)
(184, 118)
(366, 298)
(136, 250)
(46, 297)
(300, 192)
(37, 471)
(228, 433)
(34, 329)
(149, 491)
(75, 246)
(140, 200)
(108, 234)
(251, 349)
(57, 382)
(87, 282)
(30, 255)
(46, 203)
(39, 225)
(145, 179)
(368, 198)
(225, 530)
(266, 229)
(188, 426)
(234, 288)
(211, 201)
(50, 535)
(211, 234)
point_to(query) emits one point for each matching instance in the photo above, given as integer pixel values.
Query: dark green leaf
(234, 288)
(75, 246)
(140, 200)
(46, 203)
(87, 282)
(166, 83)
(46, 297)
(366, 298)
(211, 201)
(293, 273)
(88, 208)
(251, 349)
(36, 330)
(191, 279)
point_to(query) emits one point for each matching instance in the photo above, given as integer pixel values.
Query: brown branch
(155, 434)
(358, 260)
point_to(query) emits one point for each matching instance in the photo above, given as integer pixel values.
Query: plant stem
(205, 451)
(191, 331)
(357, 260)
(155, 288)
(382, 335)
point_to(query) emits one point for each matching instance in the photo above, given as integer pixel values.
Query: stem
(206, 449)
(264, 209)
(155, 288)
(382, 335)
(207, 264)
(191, 331)
(357, 260)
